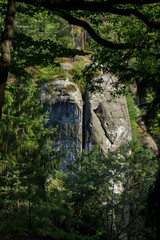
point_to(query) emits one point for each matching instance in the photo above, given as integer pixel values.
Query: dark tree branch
(87, 6)
(92, 33)
(135, 2)
(107, 6)
(129, 11)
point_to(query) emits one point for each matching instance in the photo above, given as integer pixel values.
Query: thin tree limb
(107, 6)
(72, 20)
(87, 6)
(139, 15)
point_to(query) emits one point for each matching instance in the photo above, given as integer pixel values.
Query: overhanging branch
(108, 6)
(92, 33)
(97, 6)
(87, 6)
(139, 15)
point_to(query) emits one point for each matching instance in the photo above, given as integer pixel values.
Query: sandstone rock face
(146, 139)
(107, 118)
(103, 119)
(66, 66)
(65, 113)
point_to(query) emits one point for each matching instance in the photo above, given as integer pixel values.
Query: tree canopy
(88, 15)
(138, 9)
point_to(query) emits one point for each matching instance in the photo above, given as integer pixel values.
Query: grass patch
(69, 88)
(50, 73)
(65, 89)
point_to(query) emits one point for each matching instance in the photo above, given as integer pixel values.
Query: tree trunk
(79, 39)
(29, 208)
(6, 44)
(154, 209)
(3, 79)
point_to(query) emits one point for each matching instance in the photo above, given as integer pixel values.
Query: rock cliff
(82, 123)
(107, 119)
(65, 113)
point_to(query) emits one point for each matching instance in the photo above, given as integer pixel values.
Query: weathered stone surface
(103, 119)
(65, 112)
(149, 142)
(146, 139)
(67, 66)
(107, 119)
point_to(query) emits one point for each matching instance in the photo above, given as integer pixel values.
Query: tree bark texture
(6, 44)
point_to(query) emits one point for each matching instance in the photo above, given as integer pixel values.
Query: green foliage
(106, 195)
(77, 73)
(50, 73)
(133, 114)
(37, 22)
(87, 77)
(139, 65)
(26, 157)
(29, 53)
(68, 88)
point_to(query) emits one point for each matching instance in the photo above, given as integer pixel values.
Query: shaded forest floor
(26, 236)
